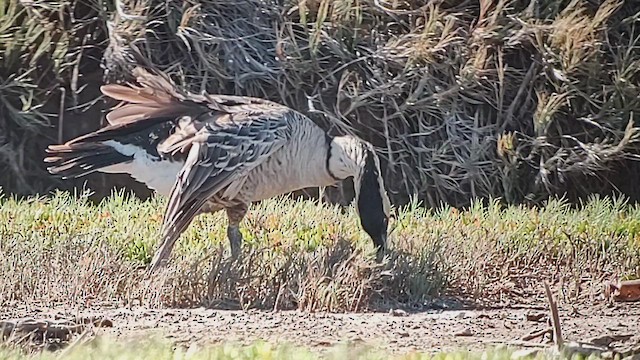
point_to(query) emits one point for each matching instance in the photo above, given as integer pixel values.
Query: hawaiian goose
(213, 152)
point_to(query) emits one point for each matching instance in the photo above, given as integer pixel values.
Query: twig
(63, 93)
(536, 334)
(555, 318)
(277, 301)
(522, 343)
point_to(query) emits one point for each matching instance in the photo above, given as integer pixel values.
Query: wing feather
(219, 154)
(135, 94)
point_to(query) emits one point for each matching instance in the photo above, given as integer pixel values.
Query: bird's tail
(143, 118)
(115, 144)
(74, 160)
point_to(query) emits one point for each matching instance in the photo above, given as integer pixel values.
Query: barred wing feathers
(221, 152)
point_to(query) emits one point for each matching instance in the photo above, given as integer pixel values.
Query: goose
(209, 153)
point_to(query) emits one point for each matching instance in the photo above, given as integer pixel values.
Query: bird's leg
(235, 214)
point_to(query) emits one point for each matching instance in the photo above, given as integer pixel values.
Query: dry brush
(506, 98)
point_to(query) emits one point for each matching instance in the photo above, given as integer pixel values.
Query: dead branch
(555, 318)
(536, 334)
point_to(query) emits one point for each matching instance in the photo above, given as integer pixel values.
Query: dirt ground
(395, 331)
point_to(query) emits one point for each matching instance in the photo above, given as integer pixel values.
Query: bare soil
(396, 331)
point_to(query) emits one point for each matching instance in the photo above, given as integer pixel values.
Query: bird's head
(353, 157)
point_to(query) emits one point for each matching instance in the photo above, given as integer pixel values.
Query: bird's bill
(381, 247)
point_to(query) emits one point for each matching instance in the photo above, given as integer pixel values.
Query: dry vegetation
(508, 98)
(309, 256)
(158, 349)
(518, 99)
(44, 46)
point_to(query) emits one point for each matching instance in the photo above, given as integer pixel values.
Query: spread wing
(219, 153)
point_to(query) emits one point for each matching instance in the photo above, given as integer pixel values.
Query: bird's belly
(158, 176)
(264, 190)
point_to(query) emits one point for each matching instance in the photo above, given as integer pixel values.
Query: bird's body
(276, 175)
(214, 152)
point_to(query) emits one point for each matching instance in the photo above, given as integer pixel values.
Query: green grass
(106, 348)
(306, 255)
(65, 250)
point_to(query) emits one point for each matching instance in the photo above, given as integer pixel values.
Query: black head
(373, 203)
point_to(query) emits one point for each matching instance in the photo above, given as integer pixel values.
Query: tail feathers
(156, 96)
(143, 103)
(76, 160)
(114, 132)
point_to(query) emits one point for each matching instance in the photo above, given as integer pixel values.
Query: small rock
(356, 339)
(461, 315)
(104, 322)
(464, 332)
(398, 312)
(212, 315)
(609, 339)
(536, 316)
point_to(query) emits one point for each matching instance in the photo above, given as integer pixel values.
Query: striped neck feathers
(352, 157)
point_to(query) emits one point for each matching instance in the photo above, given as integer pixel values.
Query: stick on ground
(555, 318)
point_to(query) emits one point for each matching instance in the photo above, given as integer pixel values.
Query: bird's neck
(351, 157)
(345, 157)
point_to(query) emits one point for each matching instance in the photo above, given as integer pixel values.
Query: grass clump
(107, 348)
(310, 256)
